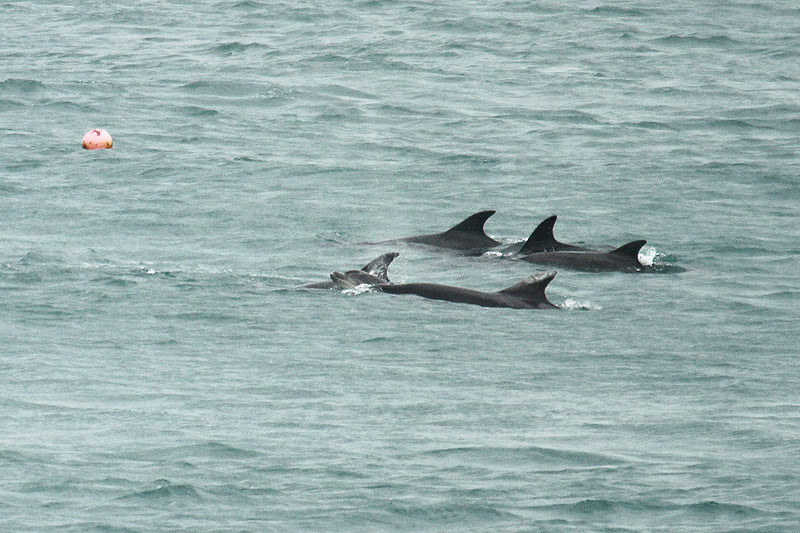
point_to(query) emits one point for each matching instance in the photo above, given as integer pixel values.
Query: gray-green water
(160, 370)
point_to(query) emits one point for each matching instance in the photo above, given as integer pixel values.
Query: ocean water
(160, 369)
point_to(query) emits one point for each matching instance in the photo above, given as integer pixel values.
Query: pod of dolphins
(469, 237)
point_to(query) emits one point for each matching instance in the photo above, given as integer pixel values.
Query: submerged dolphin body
(466, 235)
(374, 272)
(543, 240)
(527, 294)
(623, 259)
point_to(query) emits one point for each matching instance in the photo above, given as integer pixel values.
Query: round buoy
(96, 139)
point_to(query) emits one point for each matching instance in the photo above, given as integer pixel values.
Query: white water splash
(574, 305)
(647, 255)
(358, 289)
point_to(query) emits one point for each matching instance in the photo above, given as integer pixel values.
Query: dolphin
(527, 294)
(466, 235)
(623, 259)
(374, 272)
(543, 240)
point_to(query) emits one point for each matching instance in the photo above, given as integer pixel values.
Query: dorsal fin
(542, 237)
(379, 266)
(473, 223)
(629, 250)
(532, 289)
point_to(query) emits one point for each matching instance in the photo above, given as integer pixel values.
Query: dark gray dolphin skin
(527, 294)
(623, 259)
(373, 273)
(543, 240)
(466, 235)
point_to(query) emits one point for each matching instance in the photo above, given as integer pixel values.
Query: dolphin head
(353, 278)
(341, 280)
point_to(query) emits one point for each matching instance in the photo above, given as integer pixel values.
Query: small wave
(68, 105)
(527, 454)
(236, 47)
(791, 124)
(472, 160)
(602, 506)
(350, 92)
(329, 58)
(743, 249)
(165, 490)
(783, 54)
(7, 187)
(592, 506)
(569, 115)
(399, 110)
(38, 258)
(226, 88)
(716, 508)
(215, 449)
(715, 123)
(20, 85)
(24, 165)
(340, 114)
(248, 489)
(449, 512)
(114, 281)
(787, 295)
(242, 4)
(9, 104)
(201, 316)
(343, 473)
(651, 125)
(731, 124)
(378, 340)
(683, 40)
(195, 111)
(613, 10)
(12, 456)
(97, 527)
(24, 278)
(207, 450)
(775, 111)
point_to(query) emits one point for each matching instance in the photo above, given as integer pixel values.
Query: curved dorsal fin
(542, 237)
(473, 223)
(629, 250)
(532, 289)
(379, 266)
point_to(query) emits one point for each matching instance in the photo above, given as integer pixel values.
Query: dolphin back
(532, 289)
(473, 224)
(543, 240)
(630, 250)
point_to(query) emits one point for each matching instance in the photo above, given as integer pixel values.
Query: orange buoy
(96, 139)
